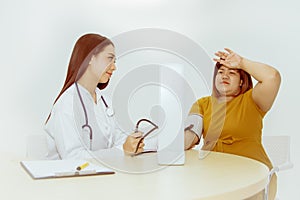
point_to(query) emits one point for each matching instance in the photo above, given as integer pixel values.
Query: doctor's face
(103, 64)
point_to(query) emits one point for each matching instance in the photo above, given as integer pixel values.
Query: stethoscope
(109, 112)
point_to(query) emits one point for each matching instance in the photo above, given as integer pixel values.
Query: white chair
(36, 146)
(278, 150)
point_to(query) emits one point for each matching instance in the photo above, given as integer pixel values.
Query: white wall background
(37, 38)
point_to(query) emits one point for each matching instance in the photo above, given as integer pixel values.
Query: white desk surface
(218, 176)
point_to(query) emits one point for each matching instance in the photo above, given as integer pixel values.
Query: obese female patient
(231, 119)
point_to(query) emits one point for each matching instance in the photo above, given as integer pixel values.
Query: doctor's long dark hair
(85, 47)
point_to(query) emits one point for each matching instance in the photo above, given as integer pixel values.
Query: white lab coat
(66, 138)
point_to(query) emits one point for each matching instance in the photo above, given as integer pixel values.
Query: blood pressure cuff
(194, 122)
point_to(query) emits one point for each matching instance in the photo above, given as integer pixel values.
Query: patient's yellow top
(232, 127)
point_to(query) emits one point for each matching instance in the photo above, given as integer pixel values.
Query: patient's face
(228, 81)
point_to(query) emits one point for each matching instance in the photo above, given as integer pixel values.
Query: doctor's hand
(134, 144)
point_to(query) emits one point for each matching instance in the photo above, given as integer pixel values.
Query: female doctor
(81, 123)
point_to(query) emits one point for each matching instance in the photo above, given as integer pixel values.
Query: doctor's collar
(86, 92)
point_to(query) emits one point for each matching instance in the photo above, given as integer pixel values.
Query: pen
(84, 165)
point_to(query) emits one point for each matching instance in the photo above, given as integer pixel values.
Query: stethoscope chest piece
(110, 111)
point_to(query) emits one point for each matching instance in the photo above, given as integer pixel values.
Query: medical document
(39, 169)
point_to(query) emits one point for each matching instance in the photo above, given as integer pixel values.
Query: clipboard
(42, 169)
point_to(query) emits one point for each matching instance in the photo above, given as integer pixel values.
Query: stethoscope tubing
(109, 113)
